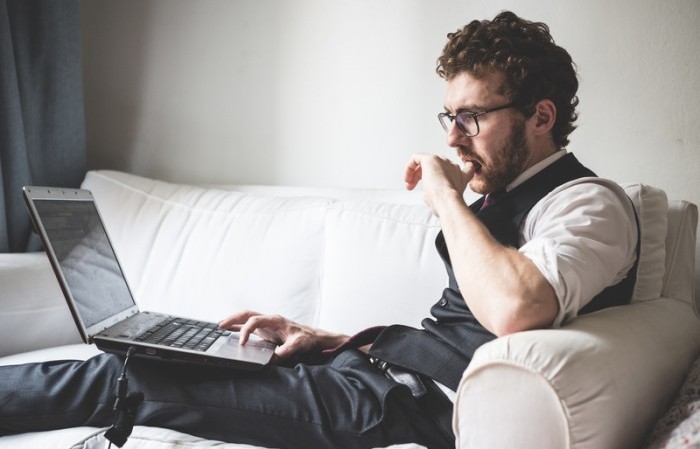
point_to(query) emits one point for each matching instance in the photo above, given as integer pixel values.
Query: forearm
(328, 340)
(503, 288)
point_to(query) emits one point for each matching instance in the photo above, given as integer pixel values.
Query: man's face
(500, 151)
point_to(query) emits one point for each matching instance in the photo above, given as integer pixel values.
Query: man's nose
(456, 138)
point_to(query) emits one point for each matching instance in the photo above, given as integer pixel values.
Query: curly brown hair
(534, 67)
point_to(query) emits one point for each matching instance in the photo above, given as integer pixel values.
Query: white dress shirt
(582, 237)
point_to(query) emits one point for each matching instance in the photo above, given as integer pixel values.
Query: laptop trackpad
(255, 351)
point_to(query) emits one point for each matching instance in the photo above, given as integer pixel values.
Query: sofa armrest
(578, 386)
(33, 313)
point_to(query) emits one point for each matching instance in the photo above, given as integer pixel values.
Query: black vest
(446, 345)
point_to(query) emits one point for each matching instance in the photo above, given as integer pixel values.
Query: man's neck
(536, 168)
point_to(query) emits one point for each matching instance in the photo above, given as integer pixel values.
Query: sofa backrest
(668, 244)
(207, 252)
(331, 258)
(678, 281)
(353, 262)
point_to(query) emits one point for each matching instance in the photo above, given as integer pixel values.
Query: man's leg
(344, 403)
(58, 394)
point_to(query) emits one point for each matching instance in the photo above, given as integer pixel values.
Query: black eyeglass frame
(453, 118)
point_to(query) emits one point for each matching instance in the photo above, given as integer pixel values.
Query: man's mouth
(468, 158)
(477, 165)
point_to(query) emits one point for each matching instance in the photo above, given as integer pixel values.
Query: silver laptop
(101, 302)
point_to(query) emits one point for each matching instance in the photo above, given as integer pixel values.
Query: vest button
(443, 302)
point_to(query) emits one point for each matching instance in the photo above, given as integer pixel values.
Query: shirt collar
(538, 167)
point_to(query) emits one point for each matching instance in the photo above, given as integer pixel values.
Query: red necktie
(491, 198)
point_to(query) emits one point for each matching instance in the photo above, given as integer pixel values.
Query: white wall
(340, 93)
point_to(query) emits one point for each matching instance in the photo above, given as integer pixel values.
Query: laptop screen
(86, 258)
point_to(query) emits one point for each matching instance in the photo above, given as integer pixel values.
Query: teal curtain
(42, 123)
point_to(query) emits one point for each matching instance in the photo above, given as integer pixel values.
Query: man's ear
(544, 117)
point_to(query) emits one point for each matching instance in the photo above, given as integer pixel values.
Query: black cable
(125, 407)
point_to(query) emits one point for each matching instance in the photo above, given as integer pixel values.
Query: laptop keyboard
(183, 333)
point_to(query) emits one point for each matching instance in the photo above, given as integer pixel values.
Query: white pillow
(651, 205)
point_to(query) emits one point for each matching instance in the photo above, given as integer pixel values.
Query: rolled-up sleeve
(582, 237)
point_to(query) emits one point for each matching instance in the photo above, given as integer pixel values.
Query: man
(547, 242)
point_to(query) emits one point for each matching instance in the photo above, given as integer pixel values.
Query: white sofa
(348, 259)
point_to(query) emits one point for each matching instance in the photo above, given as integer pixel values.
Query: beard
(508, 160)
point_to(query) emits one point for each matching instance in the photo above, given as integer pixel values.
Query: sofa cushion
(145, 437)
(651, 205)
(206, 253)
(29, 293)
(379, 257)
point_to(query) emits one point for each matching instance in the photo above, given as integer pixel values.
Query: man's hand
(293, 338)
(441, 178)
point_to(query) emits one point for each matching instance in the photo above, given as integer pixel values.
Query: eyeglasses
(467, 121)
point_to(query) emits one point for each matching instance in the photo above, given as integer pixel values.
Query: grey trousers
(344, 402)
